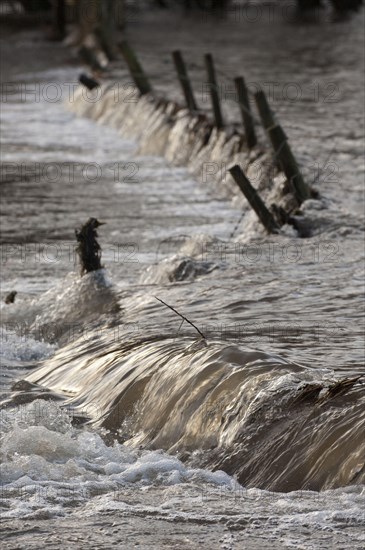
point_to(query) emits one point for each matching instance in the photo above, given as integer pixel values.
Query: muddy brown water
(298, 311)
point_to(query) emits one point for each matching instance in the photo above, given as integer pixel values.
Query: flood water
(124, 428)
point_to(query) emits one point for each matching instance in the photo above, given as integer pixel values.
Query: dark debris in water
(88, 249)
(10, 298)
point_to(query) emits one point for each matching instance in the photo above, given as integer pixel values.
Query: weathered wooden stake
(213, 88)
(246, 113)
(184, 80)
(254, 199)
(139, 77)
(106, 30)
(288, 163)
(282, 149)
(264, 110)
(60, 23)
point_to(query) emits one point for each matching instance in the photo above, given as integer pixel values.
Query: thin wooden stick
(182, 316)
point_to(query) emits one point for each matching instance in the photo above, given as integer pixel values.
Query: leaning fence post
(288, 163)
(246, 113)
(254, 200)
(135, 68)
(264, 110)
(213, 88)
(184, 80)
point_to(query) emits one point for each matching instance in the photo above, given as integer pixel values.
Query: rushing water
(132, 422)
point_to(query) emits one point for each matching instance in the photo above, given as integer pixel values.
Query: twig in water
(178, 330)
(182, 317)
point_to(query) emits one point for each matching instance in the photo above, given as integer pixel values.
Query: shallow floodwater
(281, 314)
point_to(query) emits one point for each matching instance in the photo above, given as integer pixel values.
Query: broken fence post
(246, 113)
(254, 200)
(89, 82)
(184, 80)
(213, 88)
(135, 68)
(288, 163)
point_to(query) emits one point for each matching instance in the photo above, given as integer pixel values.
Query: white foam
(47, 462)
(51, 469)
(17, 347)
